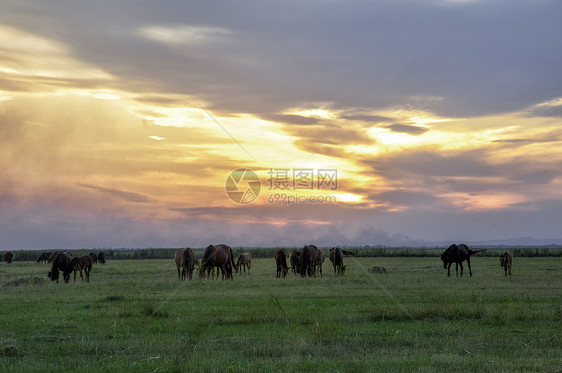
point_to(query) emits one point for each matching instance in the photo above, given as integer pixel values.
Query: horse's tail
(231, 259)
(472, 252)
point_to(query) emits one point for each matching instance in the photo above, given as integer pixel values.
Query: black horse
(94, 257)
(61, 263)
(457, 254)
(8, 257)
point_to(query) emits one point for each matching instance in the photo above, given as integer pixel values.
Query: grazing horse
(309, 260)
(185, 259)
(8, 257)
(336, 257)
(61, 263)
(101, 257)
(244, 260)
(44, 257)
(190, 261)
(180, 265)
(506, 259)
(79, 263)
(281, 261)
(94, 257)
(219, 256)
(457, 254)
(295, 260)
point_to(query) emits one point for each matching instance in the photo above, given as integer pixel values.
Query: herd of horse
(65, 262)
(305, 262)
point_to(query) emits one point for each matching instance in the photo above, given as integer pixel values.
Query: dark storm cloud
(479, 57)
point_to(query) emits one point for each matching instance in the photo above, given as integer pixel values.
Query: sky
(363, 122)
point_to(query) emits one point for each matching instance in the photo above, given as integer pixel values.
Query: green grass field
(135, 315)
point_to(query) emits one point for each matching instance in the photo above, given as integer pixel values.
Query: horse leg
(469, 267)
(82, 277)
(449, 269)
(249, 267)
(462, 268)
(178, 273)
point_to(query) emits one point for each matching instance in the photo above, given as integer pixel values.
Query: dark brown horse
(506, 260)
(44, 257)
(81, 263)
(61, 263)
(219, 256)
(336, 257)
(457, 254)
(320, 260)
(101, 257)
(244, 260)
(8, 257)
(180, 265)
(185, 260)
(281, 261)
(309, 259)
(295, 260)
(94, 257)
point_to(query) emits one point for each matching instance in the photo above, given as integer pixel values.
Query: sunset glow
(123, 133)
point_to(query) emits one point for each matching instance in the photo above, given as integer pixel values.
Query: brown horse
(309, 260)
(79, 263)
(180, 265)
(336, 257)
(506, 259)
(281, 261)
(185, 259)
(244, 260)
(219, 256)
(44, 257)
(8, 257)
(61, 263)
(457, 254)
(295, 260)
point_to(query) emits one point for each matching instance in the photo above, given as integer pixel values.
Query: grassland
(135, 315)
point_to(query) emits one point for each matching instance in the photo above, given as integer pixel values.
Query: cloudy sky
(435, 121)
